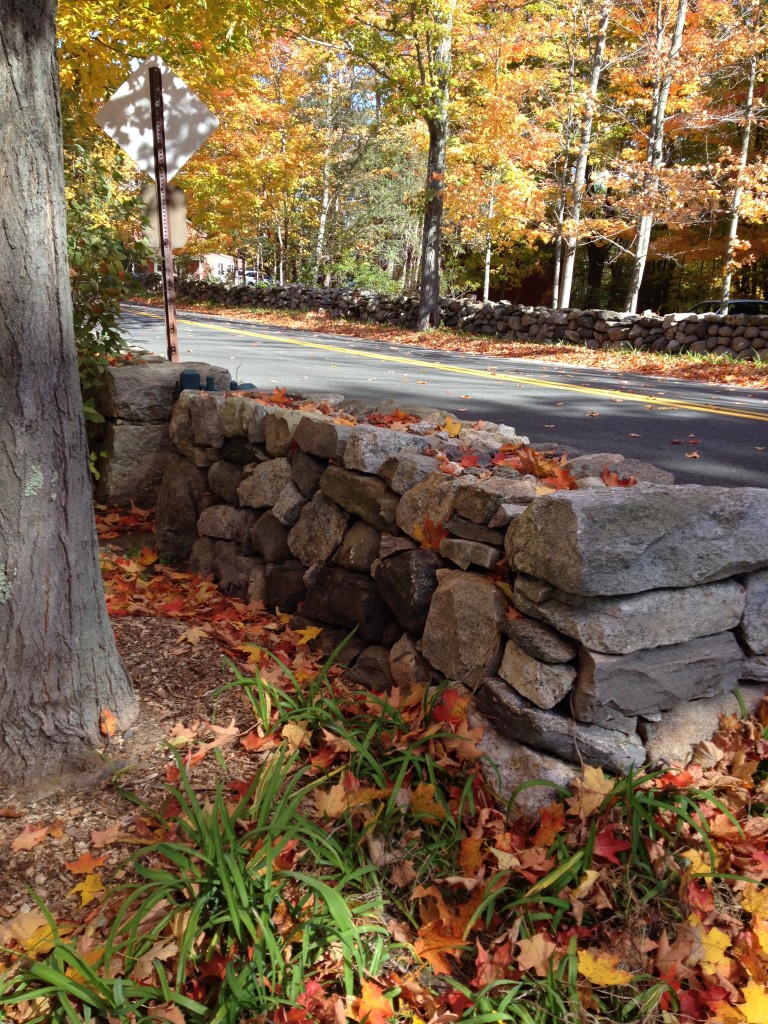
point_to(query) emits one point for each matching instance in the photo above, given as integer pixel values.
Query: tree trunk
(488, 247)
(429, 292)
(325, 200)
(59, 665)
(733, 224)
(597, 64)
(436, 118)
(655, 145)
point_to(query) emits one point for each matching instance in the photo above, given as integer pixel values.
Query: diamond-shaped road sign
(127, 118)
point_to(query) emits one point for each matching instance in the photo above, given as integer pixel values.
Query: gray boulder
(365, 496)
(407, 582)
(137, 455)
(347, 599)
(433, 498)
(359, 547)
(270, 537)
(647, 537)
(223, 479)
(649, 681)
(754, 624)
(262, 487)
(462, 638)
(177, 510)
(620, 625)
(227, 523)
(318, 531)
(539, 641)
(555, 733)
(545, 685)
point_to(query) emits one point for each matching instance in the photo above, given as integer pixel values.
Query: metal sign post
(161, 181)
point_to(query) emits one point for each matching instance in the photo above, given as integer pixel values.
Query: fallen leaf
(297, 736)
(194, 635)
(29, 837)
(107, 722)
(754, 1009)
(535, 954)
(692, 455)
(90, 887)
(373, 1007)
(310, 633)
(85, 863)
(601, 969)
(162, 950)
(113, 834)
(167, 1012)
(423, 802)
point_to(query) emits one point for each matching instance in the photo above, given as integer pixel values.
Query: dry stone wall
(739, 336)
(602, 625)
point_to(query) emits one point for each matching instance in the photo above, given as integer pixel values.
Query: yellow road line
(466, 371)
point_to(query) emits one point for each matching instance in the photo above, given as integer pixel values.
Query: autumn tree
(60, 667)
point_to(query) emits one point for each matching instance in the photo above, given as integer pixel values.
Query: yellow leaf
(591, 789)
(506, 861)
(90, 887)
(699, 864)
(423, 802)
(755, 1005)
(715, 943)
(297, 735)
(755, 901)
(585, 885)
(601, 969)
(308, 634)
(452, 426)
(31, 930)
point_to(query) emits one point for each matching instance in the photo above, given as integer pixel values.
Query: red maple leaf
(607, 845)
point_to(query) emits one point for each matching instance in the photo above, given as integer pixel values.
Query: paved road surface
(556, 405)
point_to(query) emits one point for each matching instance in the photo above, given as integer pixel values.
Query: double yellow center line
(466, 371)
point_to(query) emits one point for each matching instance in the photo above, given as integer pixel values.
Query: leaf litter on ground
(350, 860)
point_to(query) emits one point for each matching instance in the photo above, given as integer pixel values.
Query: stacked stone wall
(738, 336)
(603, 625)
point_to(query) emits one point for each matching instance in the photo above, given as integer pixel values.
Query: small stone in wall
(262, 487)
(655, 618)
(371, 669)
(509, 764)
(270, 538)
(289, 504)
(223, 479)
(544, 684)
(284, 587)
(321, 437)
(406, 469)
(232, 568)
(506, 513)
(279, 428)
(347, 599)
(467, 530)
(461, 637)
(433, 499)
(257, 583)
(359, 547)
(754, 624)
(202, 555)
(671, 740)
(539, 641)
(318, 531)
(407, 582)
(306, 471)
(227, 523)
(480, 500)
(407, 664)
(555, 732)
(369, 448)
(365, 496)
(469, 552)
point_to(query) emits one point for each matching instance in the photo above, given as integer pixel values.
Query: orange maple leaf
(373, 1007)
(85, 864)
(430, 534)
(611, 479)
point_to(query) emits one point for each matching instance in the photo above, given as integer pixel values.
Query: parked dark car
(750, 307)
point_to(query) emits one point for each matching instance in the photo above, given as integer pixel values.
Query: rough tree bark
(735, 209)
(59, 666)
(579, 186)
(655, 145)
(435, 69)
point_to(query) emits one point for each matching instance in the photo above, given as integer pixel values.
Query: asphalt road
(574, 409)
